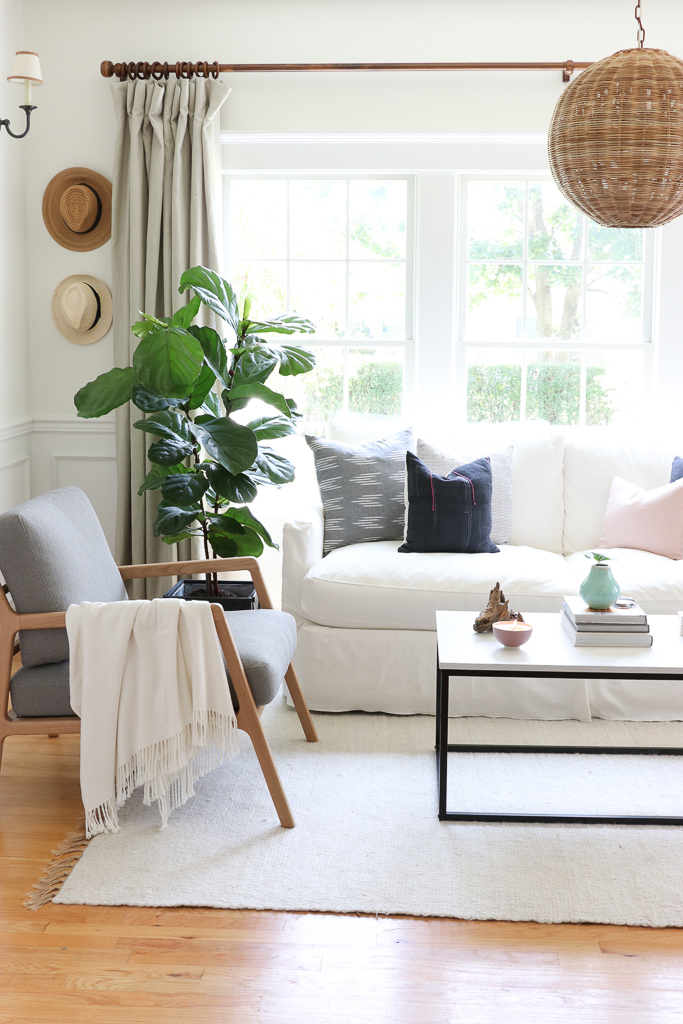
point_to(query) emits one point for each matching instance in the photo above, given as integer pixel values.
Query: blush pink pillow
(647, 520)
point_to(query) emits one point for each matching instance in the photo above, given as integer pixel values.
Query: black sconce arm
(5, 121)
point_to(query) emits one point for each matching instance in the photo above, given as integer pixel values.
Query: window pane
(615, 244)
(495, 309)
(553, 308)
(614, 304)
(317, 220)
(495, 220)
(553, 387)
(376, 381)
(258, 220)
(377, 300)
(266, 283)
(614, 388)
(321, 392)
(555, 226)
(318, 291)
(377, 212)
(494, 386)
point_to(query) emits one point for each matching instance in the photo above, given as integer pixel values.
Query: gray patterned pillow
(361, 486)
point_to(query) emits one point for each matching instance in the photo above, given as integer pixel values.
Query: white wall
(74, 125)
(15, 408)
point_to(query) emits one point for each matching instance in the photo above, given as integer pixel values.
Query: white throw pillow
(501, 470)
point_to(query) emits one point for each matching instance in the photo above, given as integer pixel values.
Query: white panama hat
(82, 308)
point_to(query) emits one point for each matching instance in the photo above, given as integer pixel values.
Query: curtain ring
(216, 70)
(183, 69)
(157, 71)
(141, 70)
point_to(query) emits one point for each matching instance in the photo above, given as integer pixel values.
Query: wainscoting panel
(15, 483)
(81, 453)
(96, 475)
(15, 464)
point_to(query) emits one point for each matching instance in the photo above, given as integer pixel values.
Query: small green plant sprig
(189, 382)
(597, 557)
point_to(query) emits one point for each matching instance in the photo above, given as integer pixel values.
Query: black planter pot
(234, 595)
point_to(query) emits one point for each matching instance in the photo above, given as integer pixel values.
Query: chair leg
(300, 705)
(265, 758)
(248, 718)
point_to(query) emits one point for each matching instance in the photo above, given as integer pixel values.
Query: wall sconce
(26, 69)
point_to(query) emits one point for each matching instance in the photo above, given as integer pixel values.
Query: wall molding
(72, 425)
(77, 457)
(14, 430)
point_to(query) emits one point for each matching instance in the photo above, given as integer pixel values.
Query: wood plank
(178, 965)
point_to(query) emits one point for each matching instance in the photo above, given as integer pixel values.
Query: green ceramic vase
(600, 589)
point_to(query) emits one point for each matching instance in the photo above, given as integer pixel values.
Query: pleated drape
(166, 217)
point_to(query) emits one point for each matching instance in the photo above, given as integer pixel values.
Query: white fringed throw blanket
(148, 681)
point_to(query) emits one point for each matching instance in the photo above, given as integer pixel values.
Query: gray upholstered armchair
(53, 553)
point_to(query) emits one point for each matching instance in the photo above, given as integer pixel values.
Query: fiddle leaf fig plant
(189, 382)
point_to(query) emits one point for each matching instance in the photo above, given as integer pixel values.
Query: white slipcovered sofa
(366, 613)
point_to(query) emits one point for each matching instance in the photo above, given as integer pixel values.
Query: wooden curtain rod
(203, 69)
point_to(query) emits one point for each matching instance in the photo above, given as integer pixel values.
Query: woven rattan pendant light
(615, 142)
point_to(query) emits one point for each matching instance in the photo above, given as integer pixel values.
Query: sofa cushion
(501, 461)
(537, 498)
(676, 469)
(656, 582)
(372, 586)
(590, 463)
(42, 692)
(361, 486)
(449, 513)
(265, 639)
(53, 553)
(646, 520)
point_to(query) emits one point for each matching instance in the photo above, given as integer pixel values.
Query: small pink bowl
(512, 634)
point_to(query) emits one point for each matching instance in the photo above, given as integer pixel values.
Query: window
(337, 250)
(555, 311)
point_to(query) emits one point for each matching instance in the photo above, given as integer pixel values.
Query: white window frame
(435, 383)
(407, 343)
(529, 346)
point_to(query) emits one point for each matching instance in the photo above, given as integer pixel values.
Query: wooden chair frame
(248, 716)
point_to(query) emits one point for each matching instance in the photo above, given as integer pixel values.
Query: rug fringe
(65, 858)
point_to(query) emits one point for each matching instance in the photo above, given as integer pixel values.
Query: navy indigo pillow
(449, 513)
(676, 469)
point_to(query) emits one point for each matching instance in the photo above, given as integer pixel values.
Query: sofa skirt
(394, 671)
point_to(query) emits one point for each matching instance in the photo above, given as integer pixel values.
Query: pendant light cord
(640, 35)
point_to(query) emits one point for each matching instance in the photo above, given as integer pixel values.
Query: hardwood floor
(119, 965)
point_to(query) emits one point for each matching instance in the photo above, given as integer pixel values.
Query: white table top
(550, 649)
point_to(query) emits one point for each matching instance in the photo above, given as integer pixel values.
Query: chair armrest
(302, 547)
(41, 620)
(135, 572)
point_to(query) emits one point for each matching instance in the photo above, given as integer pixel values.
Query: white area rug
(368, 838)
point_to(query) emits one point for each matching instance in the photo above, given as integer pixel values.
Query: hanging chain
(640, 35)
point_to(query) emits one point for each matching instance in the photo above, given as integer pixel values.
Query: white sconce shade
(26, 69)
(26, 66)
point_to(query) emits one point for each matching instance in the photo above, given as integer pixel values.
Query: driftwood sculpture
(496, 610)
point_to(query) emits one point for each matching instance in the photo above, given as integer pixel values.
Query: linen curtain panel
(166, 217)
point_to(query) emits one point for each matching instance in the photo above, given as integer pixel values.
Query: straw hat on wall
(82, 309)
(77, 209)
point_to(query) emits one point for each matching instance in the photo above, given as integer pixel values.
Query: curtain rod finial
(107, 69)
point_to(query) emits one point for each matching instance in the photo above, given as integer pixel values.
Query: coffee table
(549, 654)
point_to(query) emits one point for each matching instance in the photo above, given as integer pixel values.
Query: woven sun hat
(77, 209)
(82, 309)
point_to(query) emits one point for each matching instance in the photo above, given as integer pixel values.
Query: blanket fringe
(65, 858)
(169, 769)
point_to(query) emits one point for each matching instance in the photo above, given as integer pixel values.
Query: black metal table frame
(443, 748)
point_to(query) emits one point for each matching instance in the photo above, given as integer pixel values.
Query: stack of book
(614, 627)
